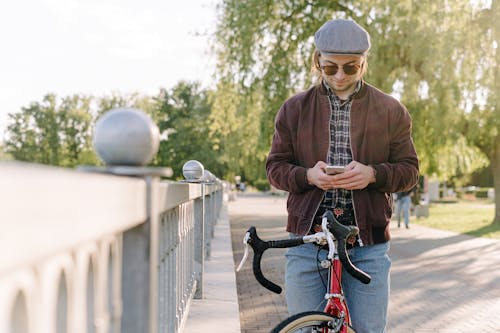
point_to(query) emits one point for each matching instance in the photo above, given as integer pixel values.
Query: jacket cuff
(380, 176)
(301, 179)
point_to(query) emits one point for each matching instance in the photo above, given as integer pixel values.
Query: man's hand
(317, 176)
(357, 176)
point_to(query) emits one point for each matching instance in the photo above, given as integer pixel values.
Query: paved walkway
(217, 311)
(441, 282)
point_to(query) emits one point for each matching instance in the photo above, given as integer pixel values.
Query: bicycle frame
(336, 303)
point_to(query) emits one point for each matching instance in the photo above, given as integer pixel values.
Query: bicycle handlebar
(342, 233)
(259, 246)
(339, 231)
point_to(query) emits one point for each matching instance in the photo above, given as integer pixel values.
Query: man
(342, 120)
(403, 205)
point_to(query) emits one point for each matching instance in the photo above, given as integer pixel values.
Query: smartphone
(334, 169)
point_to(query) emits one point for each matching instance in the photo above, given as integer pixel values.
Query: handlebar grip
(348, 265)
(342, 233)
(259, 246)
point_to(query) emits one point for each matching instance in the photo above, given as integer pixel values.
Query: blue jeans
(403, 205)
(367, 304)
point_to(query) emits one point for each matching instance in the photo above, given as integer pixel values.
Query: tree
(133, 100)
(482, 125)
(75, 125)
(419, 53)
(235, 131)
(3, 155)
(423, 67)
(182, 115)
(52, 133)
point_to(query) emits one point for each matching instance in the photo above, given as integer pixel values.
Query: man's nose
(340, 73)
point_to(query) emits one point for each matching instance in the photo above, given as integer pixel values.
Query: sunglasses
(348, 69)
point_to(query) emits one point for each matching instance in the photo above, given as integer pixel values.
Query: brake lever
(245, 254)
(329, 238)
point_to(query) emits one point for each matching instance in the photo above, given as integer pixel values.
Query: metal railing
(83, 252)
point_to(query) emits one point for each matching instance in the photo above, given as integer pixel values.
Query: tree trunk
(495, 161)
(495, 167)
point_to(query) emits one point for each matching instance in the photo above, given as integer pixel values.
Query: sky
(101, 46)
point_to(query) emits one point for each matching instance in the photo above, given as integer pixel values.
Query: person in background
(342, 120)
(403, 205)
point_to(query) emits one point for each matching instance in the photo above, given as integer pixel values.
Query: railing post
(126, 140)
(193, 172)
(209, 214)
(208, 217)
(140, 268)
(199, 253)
(136, 274)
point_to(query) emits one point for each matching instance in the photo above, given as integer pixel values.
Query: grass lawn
(472, 217)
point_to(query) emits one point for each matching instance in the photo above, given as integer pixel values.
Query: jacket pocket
(378, 209)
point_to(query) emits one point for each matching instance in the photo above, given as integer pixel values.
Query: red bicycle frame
(336, 304)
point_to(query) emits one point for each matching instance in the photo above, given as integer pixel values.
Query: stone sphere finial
(126, 136)
(208, 176)
(193, 170)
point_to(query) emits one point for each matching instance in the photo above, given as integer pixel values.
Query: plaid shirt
(340, 152)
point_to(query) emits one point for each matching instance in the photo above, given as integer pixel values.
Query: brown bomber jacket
(380, 133)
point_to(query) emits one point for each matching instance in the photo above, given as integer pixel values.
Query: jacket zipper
(326, 159)
(360, 242)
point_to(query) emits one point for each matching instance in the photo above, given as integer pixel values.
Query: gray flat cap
(341, 36)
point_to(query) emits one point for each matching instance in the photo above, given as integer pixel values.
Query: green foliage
(134, 100)
(183, 118)
(235, 131)
(482, 177)
(52, 133)
(262, 184)
(481, 193)
(3, 155)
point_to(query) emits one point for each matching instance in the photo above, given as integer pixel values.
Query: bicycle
(335, 316)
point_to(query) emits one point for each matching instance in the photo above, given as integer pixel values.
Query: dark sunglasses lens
(330, 70)
(350, 69)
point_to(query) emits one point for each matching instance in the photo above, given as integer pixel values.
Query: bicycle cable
(318, 263)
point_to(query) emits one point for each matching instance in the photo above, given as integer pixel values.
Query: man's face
(341, 72)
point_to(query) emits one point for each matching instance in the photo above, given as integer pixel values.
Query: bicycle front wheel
(313, 321)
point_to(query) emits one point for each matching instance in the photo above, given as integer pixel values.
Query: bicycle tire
(310, 319)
